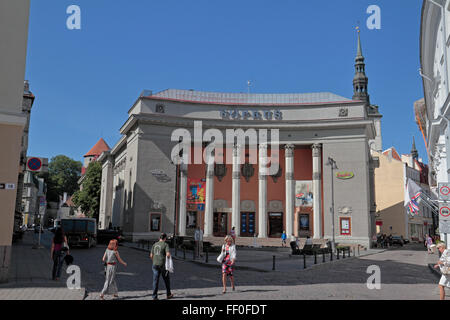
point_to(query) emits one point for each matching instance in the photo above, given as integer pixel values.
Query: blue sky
(86, 80)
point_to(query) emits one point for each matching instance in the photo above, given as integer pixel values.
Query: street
(404, 275)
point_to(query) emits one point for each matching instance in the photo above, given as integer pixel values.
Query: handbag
(65, 246)
(221, 256)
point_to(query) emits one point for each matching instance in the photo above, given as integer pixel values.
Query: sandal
(102, 297)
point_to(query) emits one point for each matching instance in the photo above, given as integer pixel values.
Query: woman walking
(229, 258)
(57, 252)
(443, 263)
(111, 257)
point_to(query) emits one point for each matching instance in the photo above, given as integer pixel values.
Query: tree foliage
(88, 198)
(62, 176)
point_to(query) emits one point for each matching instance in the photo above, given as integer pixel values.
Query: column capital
(289, 150)
(316, 148)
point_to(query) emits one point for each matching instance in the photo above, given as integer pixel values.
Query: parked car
(104, 236)
(397, 240)
(405, 241)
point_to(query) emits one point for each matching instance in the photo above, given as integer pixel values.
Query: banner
(412, 195)
(196, 191)
(303, 193)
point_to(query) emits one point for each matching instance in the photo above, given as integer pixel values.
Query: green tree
(88, 198)
(62, 176)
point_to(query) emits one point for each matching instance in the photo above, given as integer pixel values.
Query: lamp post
(333, 166)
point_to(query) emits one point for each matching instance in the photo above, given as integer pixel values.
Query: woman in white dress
(443, 263)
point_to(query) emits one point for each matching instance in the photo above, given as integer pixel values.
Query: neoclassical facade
(433, 113)
(146, 189)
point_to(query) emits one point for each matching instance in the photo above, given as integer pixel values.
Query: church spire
(414, 152)
(360, 81)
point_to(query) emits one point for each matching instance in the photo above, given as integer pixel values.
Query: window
(155, 222)
(345, 226)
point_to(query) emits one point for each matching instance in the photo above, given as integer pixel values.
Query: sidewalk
(30, 275)
(262, 260)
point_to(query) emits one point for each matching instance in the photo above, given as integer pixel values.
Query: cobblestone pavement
(30, 274)
(404, 275)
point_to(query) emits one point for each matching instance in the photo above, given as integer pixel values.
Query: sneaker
(170, 296)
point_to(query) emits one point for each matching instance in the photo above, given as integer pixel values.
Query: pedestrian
(228, 260)
(444, 265)
(283, 239)
(111, 257)
(58, 250)
(233, 234)
(308, 241)
(196, 244)
(429, 243)
(200, 241)
(160, 250)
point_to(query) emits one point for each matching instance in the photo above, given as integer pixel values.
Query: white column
(290, 189)
(262, 192)
(209, 198)
(183, 200)
(317, 177)
(236, 191)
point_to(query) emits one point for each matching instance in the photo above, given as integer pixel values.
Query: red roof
(97, 150)
(394, 153)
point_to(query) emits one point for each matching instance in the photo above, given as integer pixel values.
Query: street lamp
(333, 166)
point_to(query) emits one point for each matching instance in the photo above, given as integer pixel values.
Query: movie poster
(303, 193)
(196, 191)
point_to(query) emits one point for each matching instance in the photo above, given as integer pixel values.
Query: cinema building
(144, 191)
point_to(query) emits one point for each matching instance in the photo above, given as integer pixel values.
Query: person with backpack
(160, 251)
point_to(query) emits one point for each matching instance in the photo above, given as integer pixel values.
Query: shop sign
(345, 175)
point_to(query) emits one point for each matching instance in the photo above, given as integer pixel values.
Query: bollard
(175, 250)
(148, 244)
(337, 256)
(354, 252)
(331, 255)
(273, 266)
(315, 257)
(304, 261)
(323, 256)
(358, 250)
(206, 255)
(343, 253)
(184, 253)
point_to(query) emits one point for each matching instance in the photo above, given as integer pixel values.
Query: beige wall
(389, 192)
(13, 37)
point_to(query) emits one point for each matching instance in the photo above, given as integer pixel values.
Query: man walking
(160, 251)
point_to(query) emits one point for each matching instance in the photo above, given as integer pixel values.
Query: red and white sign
(444, 190)
(444, 211)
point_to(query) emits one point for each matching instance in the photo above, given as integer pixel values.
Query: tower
(414, 152)
(361, 93)
(360, 80)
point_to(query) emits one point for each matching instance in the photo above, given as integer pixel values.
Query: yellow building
(390, 180)
(14, 33)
